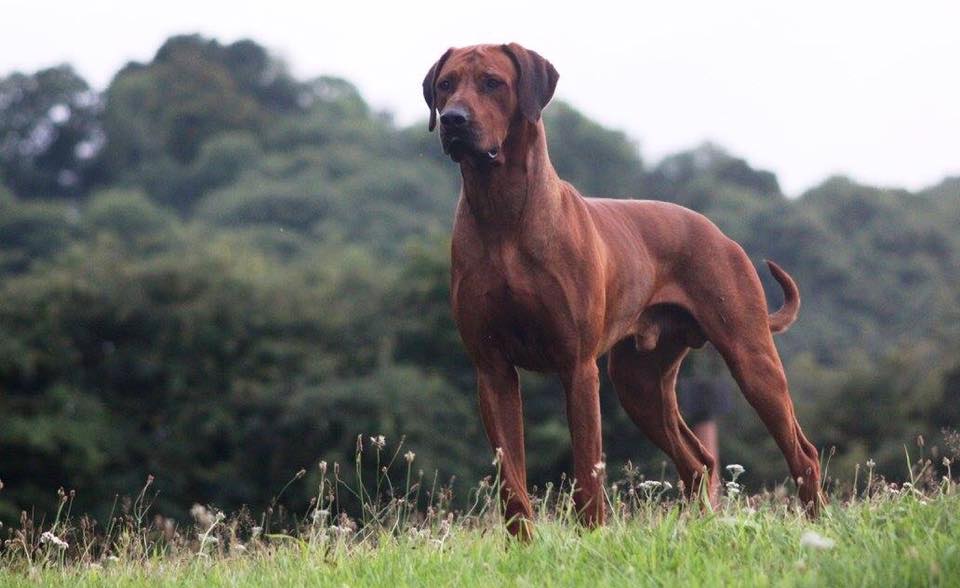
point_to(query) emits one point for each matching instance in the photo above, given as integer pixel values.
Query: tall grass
(373, 530)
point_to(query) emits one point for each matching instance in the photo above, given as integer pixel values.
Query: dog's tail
(782, 319)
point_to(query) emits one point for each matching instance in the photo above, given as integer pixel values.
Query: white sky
(806, 89)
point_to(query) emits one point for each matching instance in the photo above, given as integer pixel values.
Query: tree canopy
(218, 274)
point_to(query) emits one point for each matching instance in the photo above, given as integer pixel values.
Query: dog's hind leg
(736, 323)
(755, 364)
(645, 382)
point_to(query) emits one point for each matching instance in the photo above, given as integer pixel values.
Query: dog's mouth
(457, 148)
(461, 149)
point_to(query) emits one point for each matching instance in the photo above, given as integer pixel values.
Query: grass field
(883, 535)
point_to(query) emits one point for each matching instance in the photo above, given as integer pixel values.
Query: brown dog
(547, 280)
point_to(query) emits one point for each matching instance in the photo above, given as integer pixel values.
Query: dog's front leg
(582, 386)
(502, 411)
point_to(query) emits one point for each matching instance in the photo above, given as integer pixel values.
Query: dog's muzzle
(459, 139)
(461, 144)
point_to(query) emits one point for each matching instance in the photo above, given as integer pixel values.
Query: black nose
(454, 116)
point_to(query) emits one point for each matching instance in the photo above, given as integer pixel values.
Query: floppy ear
(428, 87)
(537, 80)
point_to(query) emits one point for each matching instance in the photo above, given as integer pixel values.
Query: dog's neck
(524, 187)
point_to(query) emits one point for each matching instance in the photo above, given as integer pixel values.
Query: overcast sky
(806, 89)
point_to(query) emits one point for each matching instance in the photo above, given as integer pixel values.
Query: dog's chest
(521, 328)
(516, 303)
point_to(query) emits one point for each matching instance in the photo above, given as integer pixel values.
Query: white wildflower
(498, 456)
(379, 441)
(735, 469)
(814, 540)
(52, 539)
(871, 463)
(409, 456)
(202, 515)
(598, 469)
(320, 515)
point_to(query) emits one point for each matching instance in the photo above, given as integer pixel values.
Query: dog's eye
(492, 83)
(444, 85)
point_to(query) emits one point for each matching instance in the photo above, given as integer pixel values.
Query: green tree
(50, 133)
(599, 161)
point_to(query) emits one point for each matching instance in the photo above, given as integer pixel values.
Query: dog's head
(481, 94)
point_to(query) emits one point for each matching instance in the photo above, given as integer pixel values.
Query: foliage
(50, 133)
(245, 271)
(34, 231)
(601, 161)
